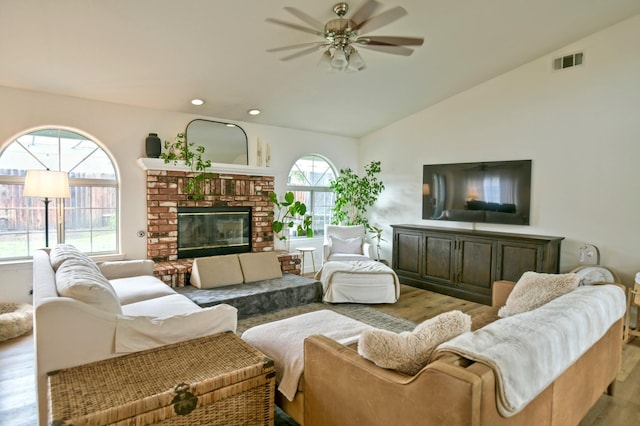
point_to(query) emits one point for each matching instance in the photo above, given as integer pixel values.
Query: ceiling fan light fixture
(339, 59)
(356, 63)
(325, 60)
(342, 34)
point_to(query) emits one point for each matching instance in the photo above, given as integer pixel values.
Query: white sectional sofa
(86, 312)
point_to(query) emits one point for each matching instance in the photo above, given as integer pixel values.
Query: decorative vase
(153, 146)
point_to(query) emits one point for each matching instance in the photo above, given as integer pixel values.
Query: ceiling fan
(341, 35)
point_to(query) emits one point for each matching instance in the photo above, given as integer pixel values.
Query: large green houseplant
(181, 150)
(289, 213)
(355, 194)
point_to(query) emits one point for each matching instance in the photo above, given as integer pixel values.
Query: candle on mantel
(268, 157)
(259, 159)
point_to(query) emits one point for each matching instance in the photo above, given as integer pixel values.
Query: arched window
(88, 220)
(309, 179)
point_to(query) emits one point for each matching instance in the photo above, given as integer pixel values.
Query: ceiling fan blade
(390, 41)
(364, 12)
(300, 53)
(295, 26)
(381, 20)
(394, 50)
(315, 24)
(297, 46)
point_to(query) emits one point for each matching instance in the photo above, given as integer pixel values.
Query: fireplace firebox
(210, 231)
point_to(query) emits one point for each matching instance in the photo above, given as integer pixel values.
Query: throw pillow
(216, 271)
(348, 246)
(78, 280)
(260, 266)
(534, 289)
(409, 352)
(62, 252)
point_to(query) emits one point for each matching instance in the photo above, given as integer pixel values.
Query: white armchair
(345, 243)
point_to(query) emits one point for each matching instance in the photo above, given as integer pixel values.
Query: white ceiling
(162, 53)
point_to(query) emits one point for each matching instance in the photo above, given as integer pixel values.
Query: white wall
(121, 130)
(580, 126)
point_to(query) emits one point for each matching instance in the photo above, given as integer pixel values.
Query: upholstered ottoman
(362, 281)
(283, 342)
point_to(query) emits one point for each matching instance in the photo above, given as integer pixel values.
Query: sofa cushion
(216, 271)
(408, 352)
(161, 307)
(260, 266)
(126, 268)
(82, 281)
(62, 252)
(534, 289)
(135, 289)
(346, 246)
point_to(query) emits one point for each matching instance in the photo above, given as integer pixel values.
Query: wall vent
(568, 61)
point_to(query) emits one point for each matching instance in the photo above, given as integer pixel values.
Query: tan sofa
(342, 388)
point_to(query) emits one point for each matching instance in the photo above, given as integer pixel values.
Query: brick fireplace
(165, 196)
(231, 185)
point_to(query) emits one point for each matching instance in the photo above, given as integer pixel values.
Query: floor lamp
(47, 184)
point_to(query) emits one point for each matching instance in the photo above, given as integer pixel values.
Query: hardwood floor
(17, 382)
(17, 389)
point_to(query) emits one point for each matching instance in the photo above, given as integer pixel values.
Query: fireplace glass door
(210, 231)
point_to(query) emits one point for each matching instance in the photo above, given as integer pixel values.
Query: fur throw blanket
(15, 319)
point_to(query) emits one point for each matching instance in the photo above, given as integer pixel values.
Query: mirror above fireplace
(223, 143)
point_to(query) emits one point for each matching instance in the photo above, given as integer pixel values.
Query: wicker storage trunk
(214, 380)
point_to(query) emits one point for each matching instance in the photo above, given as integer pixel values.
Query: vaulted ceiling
(162, 53)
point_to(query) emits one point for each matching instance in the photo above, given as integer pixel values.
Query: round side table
(303, 251)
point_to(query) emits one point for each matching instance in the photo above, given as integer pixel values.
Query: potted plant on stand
(289, 213)
(181, 150)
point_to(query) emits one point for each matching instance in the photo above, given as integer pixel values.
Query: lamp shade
(46, 184)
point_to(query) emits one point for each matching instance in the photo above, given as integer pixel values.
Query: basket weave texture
(233, 382)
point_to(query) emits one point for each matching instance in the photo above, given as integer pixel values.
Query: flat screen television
(490, 191)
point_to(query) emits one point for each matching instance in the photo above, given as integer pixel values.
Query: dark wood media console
(465, 263)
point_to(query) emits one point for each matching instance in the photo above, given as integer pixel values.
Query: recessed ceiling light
(197, 101)
(254, 111)
(231, 125)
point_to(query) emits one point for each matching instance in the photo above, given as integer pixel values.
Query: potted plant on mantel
(181, 150)
(288, 213)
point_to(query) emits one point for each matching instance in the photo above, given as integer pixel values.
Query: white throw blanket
(283, 341)
(325, 274)
(529, 351)
(138, 333)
